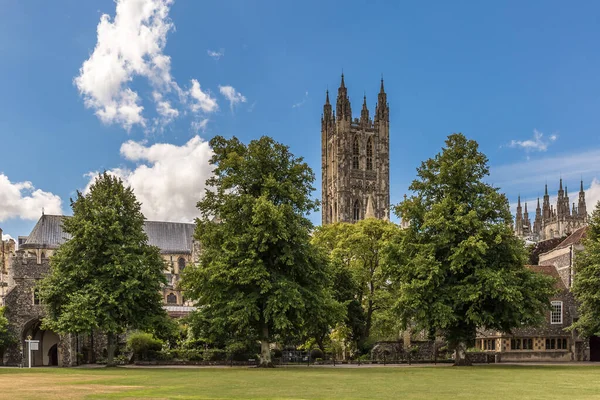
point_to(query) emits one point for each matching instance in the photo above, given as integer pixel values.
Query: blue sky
(521, 79)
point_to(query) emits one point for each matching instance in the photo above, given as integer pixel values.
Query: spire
(382, 111)
(519, 201)
(538, 205)
(581, 186)
(381, 90)
(370, 210)
(342, 108)
(566, 191)
(364, 114)
(560, 187)
(546, 190)
(327, 96)
(525, 207)
(327, 119)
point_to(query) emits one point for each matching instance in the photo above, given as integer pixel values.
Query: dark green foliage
(316, 353)
(7, 337)
(143, 345)
(258, 276)
(106, 277)
(586, 283)
(459, 265)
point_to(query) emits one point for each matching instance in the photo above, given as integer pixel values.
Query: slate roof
(573, 238)
(169, 237)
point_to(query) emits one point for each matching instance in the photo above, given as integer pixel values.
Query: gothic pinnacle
(342, 84)
(327, 96)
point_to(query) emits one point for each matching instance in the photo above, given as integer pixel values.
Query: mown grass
(480, 382)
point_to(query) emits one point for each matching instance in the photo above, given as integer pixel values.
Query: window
(370, 154)
(488, 344)
(561, 344)
(181, 264)
(171, 299)
(527, 344)
(515, 344)
(355, 154)
(356, 211)
(556, 315)
(551, 344)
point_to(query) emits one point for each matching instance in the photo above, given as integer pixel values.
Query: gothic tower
(355, 160)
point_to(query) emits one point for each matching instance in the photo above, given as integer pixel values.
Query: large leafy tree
(106, 277)
(586, 285)
(258, 276)
(459, 266)
(7, 336)
(358, 250)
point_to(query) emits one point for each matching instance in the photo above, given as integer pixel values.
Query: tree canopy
(258, 276)
(459, 266)
(357, 253)
(586, 282)
(106, 277)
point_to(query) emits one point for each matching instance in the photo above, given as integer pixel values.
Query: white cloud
(131, 46)
(216, 54)
(234, 97)
(301, 103)
(199, 126)
(592, 195)
(22, 200)
(168, 179)
(538, 143)
(7, 237)
(201, 100)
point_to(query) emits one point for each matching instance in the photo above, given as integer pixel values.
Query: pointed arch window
(356, 211)
(171, 298)
(370, 154)
(181, 264)
(355, 153)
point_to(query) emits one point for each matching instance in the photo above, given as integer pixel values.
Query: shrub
(276, 353)
(143, 345)
(316, 353)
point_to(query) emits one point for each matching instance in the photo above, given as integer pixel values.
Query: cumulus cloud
(201, 100)
(538, 143)
(22, 200)
(234, 97)
(129, 46)
(216, 54)
(592, 195)
(168, 180)
(6, 237)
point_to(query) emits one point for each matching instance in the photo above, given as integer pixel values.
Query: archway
(48, 353)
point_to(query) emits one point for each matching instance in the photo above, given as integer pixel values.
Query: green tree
(259, 276)
(586, 284)
(359, 250)
(106, 277)
(7, 336)
(459, 266)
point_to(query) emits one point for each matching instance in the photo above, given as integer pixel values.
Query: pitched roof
(549, 270)
(169, 237)
(573, 238)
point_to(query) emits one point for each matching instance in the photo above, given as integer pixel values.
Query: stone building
(549, 221)
(31, 262)
(550, 342)
(7, 251)
(562, 257)
(355, 159)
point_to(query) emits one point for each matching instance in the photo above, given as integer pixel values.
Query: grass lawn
(481, 382)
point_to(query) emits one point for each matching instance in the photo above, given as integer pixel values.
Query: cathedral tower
(355, 160)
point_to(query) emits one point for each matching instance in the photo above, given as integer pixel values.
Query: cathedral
(355, 156)
(552, 222)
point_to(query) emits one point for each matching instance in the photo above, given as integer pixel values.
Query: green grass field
(481, 382)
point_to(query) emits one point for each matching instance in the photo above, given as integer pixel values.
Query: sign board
(34, 345)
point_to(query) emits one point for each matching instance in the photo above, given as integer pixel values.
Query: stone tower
(355, 160)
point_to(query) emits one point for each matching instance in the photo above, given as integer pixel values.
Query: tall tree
(7, 336)
(459, 266)
(258, 275)
(359, 249)
(586, 283)
(106, 277)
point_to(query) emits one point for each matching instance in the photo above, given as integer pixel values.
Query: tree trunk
(265, 351)
(460, 355)
(110, 348)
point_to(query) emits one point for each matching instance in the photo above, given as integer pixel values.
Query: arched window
(370, 154)
(181, 264)
(355, 153)
(356, 211)
(171, 298)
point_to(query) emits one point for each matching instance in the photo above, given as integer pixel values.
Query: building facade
(549, 221)
(355, 157)
(31, 262)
